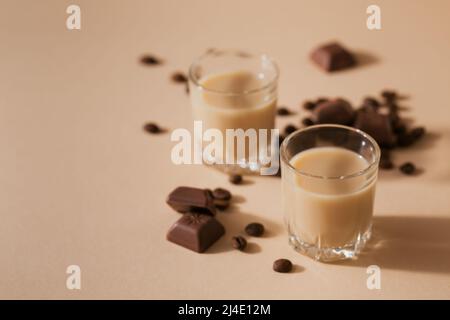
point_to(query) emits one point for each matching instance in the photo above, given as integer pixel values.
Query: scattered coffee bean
(371, 102)
(289, 129)
(321, 100)
(307, 122)
(152, 128)
(150, 60)
(399, 128)
(385, 160)
(239, 243)
(393, 107)
(405, 139)
(235, 179)
(179, 77)
(389, 95)
(282, 265)
(386, 164)
(417, 133)
(380, 118)
(408, 168)
(254, 229)
(283, 111)
(309, 105)
(222, 198)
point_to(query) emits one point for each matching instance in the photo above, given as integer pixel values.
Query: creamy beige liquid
(328, 213)
(234, 110)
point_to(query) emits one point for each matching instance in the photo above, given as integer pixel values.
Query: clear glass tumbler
(328, 176)
(232, 89)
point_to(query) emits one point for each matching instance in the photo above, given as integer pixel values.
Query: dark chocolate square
(332, 57)
(376, 125)
(195, 231)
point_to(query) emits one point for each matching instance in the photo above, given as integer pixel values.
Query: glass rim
(238, 53)
(347, 176)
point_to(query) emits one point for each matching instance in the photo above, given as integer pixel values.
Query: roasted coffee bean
(239, 243)
(152, 128)
(408, 168)
(309, 105)
(307, 122)
(150, 60)
(393, 107)
(289, 129)
(282, 265)
(385, 153)
(283, 111)
(321, 100)
(394, 118)
(386, 164)
(417, 133)
(371, 102)
(399, 128)
(221, 194)
(389, 95)
(221, 197)
(235, 179)
(405, 139)
(254, 229)
(179, 77)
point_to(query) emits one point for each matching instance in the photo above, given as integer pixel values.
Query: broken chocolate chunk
(187, 199)
(332, 57)
(337, 111)
(195, 231)
(377, 125)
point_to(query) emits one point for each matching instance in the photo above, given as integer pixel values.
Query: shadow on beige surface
(235, 220)
(365, 58)
(419, 244)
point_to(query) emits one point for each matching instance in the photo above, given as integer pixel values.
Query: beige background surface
(80, 183)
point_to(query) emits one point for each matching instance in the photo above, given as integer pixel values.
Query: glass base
(241, 169)
(348, 251)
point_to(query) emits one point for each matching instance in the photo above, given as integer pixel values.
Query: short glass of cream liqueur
(328, 177)
(234, 90)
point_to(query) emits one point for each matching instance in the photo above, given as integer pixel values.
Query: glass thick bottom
(345, 252)
(237, 169)
(241, 167)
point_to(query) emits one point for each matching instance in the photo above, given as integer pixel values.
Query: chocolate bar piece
(187, 199)
(336, 111)
(332, 57)
(195, 231)
(377, 125)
